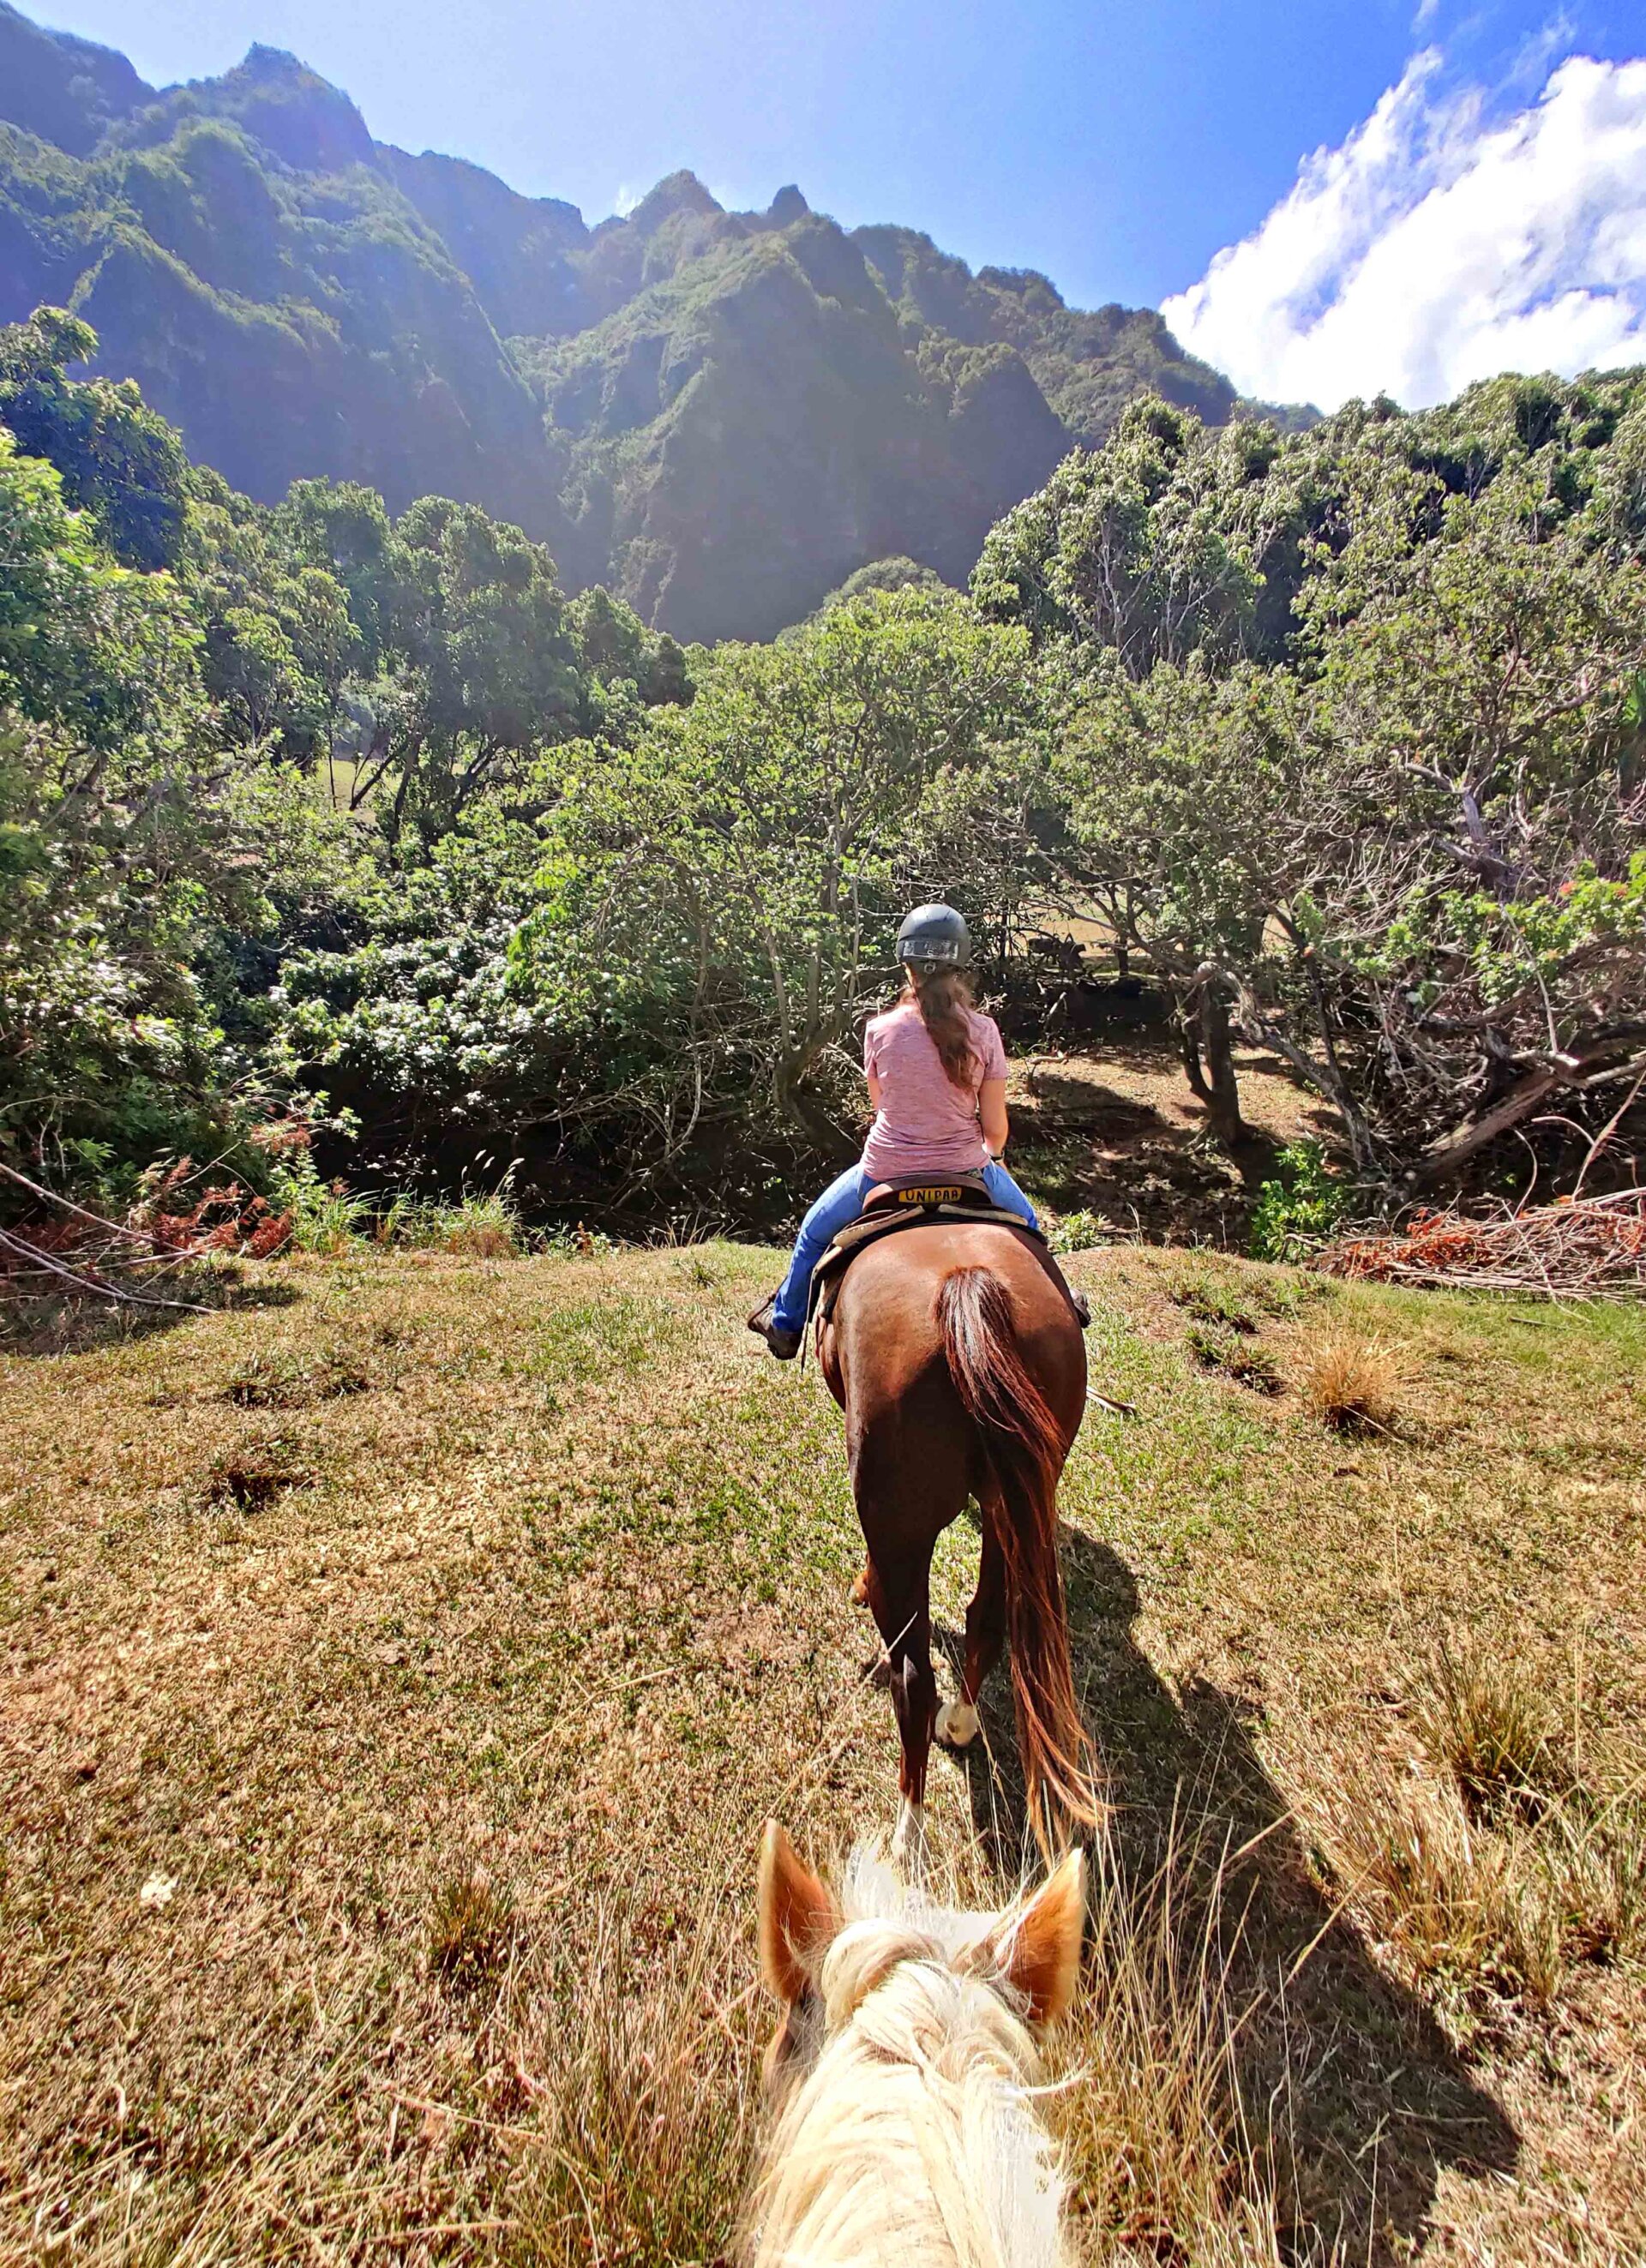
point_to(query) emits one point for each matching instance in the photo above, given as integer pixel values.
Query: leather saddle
(912, 1201)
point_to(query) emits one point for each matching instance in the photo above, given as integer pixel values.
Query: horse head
(905, 2066)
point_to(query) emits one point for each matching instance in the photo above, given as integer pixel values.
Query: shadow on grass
(1345, 2076)
(85, 1324)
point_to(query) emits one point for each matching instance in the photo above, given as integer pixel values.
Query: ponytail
(943, 997)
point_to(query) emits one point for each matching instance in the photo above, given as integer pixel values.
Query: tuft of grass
(1145, 2095)
(475, 1226)
(471, 1929)
(1481, 1720)
(1350, 1384)
(251, 1477)
(1490, 1910)
(277, 1379)
(640, 2063)
(1241, 1359)
(1592, 1856)
(1216, 1304)
(327, 1217)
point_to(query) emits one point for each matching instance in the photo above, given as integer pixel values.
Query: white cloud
(1440, 244)
(626, 199)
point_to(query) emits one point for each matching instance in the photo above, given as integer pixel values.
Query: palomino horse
(956, 1354)
(904, 2069)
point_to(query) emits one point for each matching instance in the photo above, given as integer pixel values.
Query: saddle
(915, 1202)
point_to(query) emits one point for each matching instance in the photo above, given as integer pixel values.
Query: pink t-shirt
(925, 1124)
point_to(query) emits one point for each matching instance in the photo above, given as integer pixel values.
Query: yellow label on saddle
(927, 1193)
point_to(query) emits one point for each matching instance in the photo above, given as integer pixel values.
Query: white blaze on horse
(905, 2068)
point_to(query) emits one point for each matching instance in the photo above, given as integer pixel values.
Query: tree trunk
(1189, 1045)
(1218, 1088)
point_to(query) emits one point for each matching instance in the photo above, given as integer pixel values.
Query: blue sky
(1119, 147)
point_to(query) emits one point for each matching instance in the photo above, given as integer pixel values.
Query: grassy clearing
(441, 1631)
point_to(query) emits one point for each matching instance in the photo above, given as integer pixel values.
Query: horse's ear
(797, 1916)
(1039, 1949)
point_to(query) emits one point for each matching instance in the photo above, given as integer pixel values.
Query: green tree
(119, 459)
(747, 860)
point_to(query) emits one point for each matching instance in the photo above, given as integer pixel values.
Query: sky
(1325, 199)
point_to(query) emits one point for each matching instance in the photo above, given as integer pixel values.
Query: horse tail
(1024, 1446)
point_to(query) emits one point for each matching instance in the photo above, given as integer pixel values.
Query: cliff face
(720, 414)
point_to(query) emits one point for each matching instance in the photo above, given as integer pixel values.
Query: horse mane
(913, 2138)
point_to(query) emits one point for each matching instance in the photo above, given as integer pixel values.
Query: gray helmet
(935, 936)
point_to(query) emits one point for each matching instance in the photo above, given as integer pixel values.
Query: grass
(1350, 1385)
(453, 1747)
(1482, 1722)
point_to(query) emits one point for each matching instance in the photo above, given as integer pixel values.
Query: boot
(785, 1345)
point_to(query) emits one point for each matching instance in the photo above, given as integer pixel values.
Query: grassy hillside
(399, 1663)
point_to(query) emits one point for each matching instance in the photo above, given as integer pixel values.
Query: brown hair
(943, 997)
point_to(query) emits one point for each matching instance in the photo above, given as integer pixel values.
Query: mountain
(720, 414)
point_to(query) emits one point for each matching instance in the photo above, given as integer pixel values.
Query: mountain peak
(264, 61)
(273, 94)
(787, 205)
(676, 192)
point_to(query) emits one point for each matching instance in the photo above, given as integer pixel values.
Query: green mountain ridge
(722, 416)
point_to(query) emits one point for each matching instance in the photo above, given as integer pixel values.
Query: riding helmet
(935, 936)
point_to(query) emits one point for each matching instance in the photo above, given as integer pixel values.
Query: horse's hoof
(859, 1592)
(956, 1724)
(908, 1845)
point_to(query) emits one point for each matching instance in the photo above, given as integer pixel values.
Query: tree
(751, 854)
(119, 459)
(1156, 546)
(479, 666)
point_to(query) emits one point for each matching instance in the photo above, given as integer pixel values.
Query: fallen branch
(90, 1286)
(1107, 1402)
(1577, 1248)
(113, 1228)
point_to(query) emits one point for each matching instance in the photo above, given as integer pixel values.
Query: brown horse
(958, 1360)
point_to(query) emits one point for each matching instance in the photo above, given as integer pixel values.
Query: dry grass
(454, 1747)
(1350, 1385)
(1481, 1720)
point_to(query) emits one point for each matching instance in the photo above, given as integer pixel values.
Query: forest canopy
(315, 813)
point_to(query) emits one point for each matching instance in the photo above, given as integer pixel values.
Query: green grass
(446, 1627)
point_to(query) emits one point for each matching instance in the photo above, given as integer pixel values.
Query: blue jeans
(839, 1204)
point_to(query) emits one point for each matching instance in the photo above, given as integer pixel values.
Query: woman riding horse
(936, 1073)
(954, 1351)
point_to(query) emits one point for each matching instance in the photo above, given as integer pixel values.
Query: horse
(958, 1358)
(903, 2071)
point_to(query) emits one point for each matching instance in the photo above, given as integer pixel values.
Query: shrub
(1303, 1210)
(1075, 1232)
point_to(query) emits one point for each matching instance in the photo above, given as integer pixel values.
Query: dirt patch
(1118, 1131)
